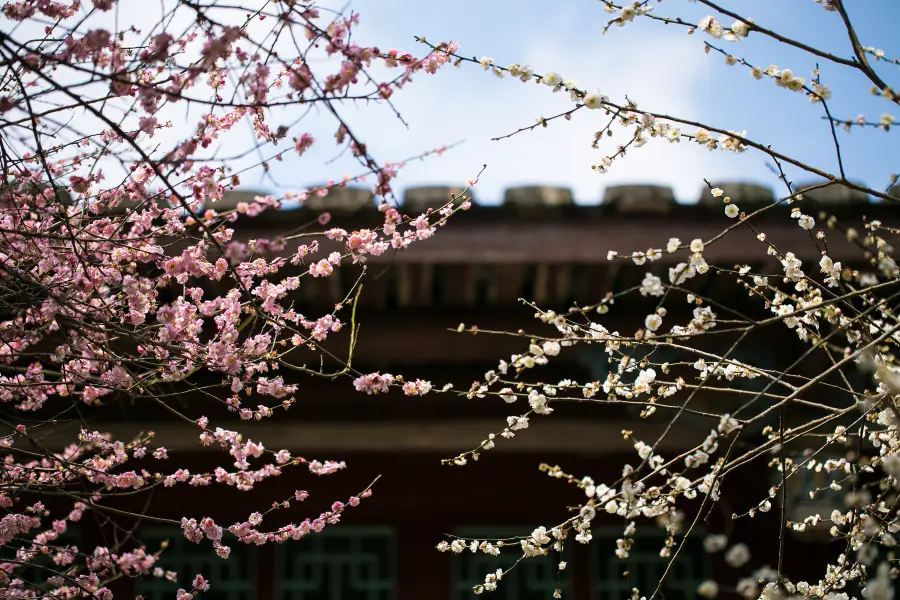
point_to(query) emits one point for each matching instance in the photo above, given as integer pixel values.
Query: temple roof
(540, 245)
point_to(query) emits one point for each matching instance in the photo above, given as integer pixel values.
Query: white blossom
(715, 543)
(738, 555)
(708, 589)
(551, 79)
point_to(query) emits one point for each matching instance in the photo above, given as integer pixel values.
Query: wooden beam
(425, 286)
(542, 285)
(562, 285)
(544, 435)
(584, 241)
(459, 285)
(404, 285)
(505, 284)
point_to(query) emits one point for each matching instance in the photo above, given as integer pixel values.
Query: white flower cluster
(859, 433)
(731, 210)
(804, 221)
(832, 271)
(651, 489)
(839, 575)
(655, 128)
(729, 141)
(738, 30)
(523, 73)
(703, 319)
(729, 369)
(539, 543)
(652, 286)
(819, 92)
(639, 258)
(786, 79)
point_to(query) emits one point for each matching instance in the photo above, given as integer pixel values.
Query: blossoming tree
(121, 280)
(121, 128)
(840, 421)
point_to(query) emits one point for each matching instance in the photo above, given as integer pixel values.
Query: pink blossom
(148, 125)
(323, 268)
(373, 383)
(157, 271)
(416, 388)
(303, 143)
(200, 583)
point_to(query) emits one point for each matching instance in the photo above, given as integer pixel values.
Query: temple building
(537, 245)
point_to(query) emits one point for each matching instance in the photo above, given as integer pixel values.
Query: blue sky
(660, 67)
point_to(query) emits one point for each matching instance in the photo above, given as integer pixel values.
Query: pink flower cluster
(248, 532)
(124, 277)
(373, 383)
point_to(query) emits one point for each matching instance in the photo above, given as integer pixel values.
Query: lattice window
(231, 579)
(532, 579)
(341, 563)
(645, 567)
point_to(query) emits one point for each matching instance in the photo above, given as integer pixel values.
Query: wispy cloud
(664, 71)
(660, 67)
